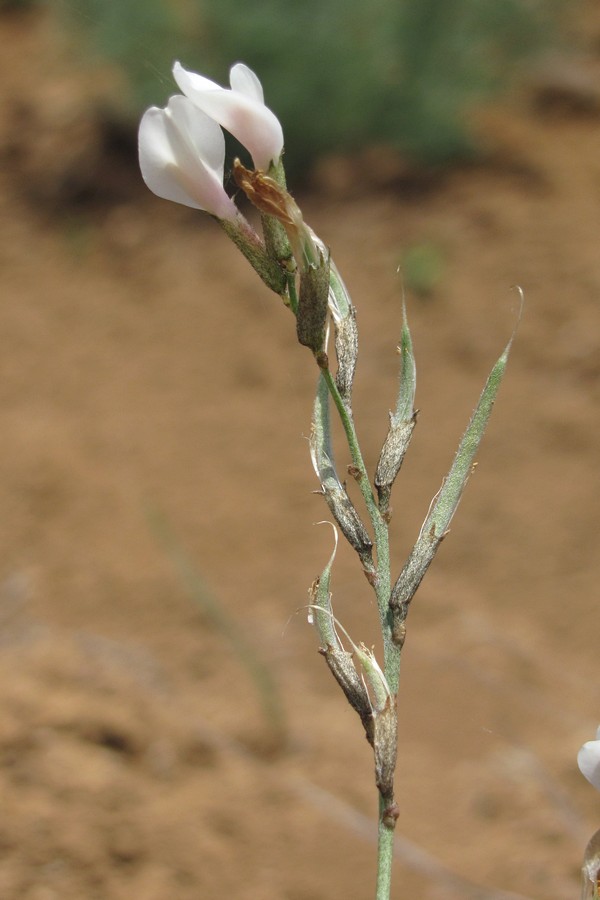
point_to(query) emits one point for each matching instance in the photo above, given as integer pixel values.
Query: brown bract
(266, 195)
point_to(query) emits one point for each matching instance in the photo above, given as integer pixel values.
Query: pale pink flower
(182, 157)
(240, 110)
(588, 760)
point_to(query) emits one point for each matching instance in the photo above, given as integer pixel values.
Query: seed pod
(346, 334)
(340, 662)
(350, 523)
(402, 423)
(346, 351)
(385, 749)
(311, 319)
(391, 458)
(334, 492)
(344, 671)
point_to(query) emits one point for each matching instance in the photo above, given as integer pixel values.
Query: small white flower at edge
(182, 157)
(240, 110)
(588, 760)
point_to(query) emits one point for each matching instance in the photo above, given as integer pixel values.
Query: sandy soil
(146, 373)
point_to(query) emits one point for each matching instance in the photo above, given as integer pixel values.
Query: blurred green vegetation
(340, 74)
(422, 268)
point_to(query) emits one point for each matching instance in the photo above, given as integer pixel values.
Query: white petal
(193, 80)
(588, 760)
(243, 79)
(182, 153)
(201, 139)
(157, 160)
(255, 126)
(246, 118)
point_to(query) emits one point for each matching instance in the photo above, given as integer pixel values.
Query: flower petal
(193, 79)
(239, 111)
(588, 760)
(200, 138)
(157, 159)
(243, 79)
(182, 153)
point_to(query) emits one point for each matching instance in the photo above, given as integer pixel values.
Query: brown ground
(144, 367)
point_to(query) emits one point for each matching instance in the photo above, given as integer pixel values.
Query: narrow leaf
(444, 504)
(444, 507)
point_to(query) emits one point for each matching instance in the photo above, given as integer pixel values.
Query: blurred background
(168, 728)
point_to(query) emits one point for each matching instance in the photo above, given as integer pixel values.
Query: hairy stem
(354, 447)
(392, 652)
(382, 584)
(385, 855)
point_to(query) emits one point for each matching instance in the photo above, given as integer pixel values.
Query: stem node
(390, 815)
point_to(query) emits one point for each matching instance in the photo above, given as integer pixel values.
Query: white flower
(240, 110)
(588, 760)
(182, 157)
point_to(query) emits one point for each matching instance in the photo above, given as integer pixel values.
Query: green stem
(382, 587)
(383, 584)
(385, 855)
(355, 452)
(391, 652)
